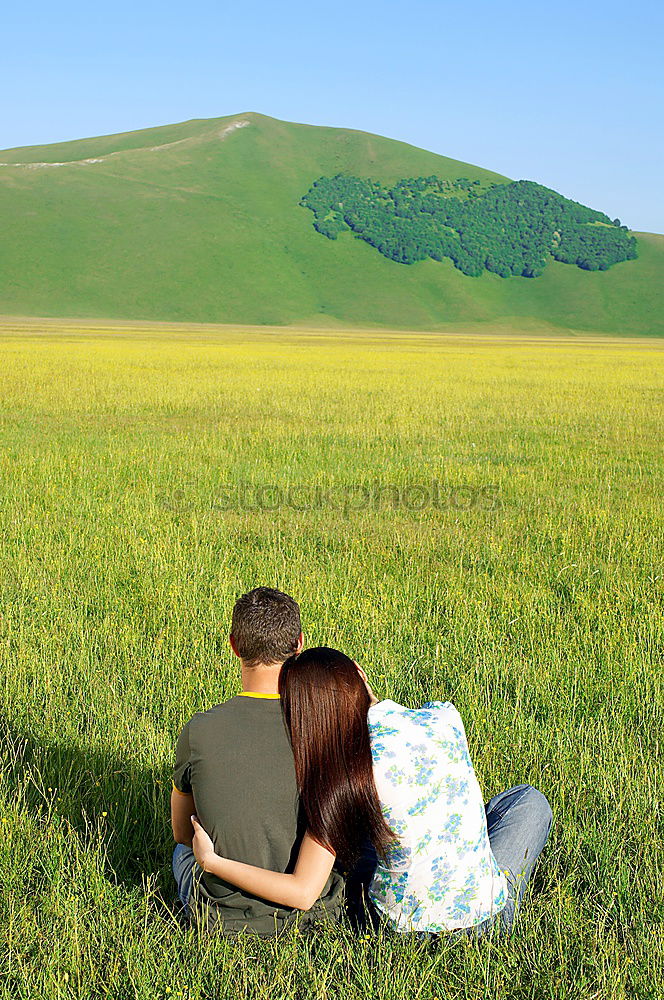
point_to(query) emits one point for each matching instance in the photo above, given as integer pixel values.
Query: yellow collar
(256, 694)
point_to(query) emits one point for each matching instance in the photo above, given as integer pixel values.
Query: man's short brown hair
(266, 626)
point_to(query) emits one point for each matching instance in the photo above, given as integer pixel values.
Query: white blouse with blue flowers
(441, 874)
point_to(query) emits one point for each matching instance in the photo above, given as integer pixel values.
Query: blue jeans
(183, 870)
(518, 822)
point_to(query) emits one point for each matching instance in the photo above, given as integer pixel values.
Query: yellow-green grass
(530, 594)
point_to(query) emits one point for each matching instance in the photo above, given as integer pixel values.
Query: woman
(401, 777)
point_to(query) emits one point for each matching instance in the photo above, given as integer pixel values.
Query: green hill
(201, 222)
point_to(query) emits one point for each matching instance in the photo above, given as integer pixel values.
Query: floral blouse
(440, 875)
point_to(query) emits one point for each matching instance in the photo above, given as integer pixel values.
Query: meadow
(473, 518)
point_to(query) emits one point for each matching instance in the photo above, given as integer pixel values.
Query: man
(234, 769)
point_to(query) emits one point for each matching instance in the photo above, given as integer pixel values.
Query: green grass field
(475, 519)
(201, 222)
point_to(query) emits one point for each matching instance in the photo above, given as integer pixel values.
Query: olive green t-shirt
(237, 761)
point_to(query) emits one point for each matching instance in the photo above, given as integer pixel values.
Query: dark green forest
(510, 229)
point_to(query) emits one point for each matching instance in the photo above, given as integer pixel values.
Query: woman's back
(441, 875)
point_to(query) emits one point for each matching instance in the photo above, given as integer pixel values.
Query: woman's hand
(202, 845)
(372, 697)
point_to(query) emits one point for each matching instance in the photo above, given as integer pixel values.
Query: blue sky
(569, 95)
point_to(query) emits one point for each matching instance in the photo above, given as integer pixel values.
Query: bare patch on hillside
(190, 140)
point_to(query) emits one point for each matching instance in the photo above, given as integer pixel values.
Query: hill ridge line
(193, 139)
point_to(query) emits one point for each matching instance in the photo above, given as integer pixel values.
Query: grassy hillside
(200, 222)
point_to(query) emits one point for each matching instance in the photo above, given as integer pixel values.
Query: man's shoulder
(215, 712)
(238, 712)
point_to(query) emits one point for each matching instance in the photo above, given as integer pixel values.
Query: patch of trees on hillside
(510, 229)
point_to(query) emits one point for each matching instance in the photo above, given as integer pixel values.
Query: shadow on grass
(96, 794)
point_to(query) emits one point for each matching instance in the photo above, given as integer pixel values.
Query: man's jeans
(183, 870)
(518, 821)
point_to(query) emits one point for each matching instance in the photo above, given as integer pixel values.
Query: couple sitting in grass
(305, 795)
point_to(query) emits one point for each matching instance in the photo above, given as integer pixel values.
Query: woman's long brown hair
(325, 703)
